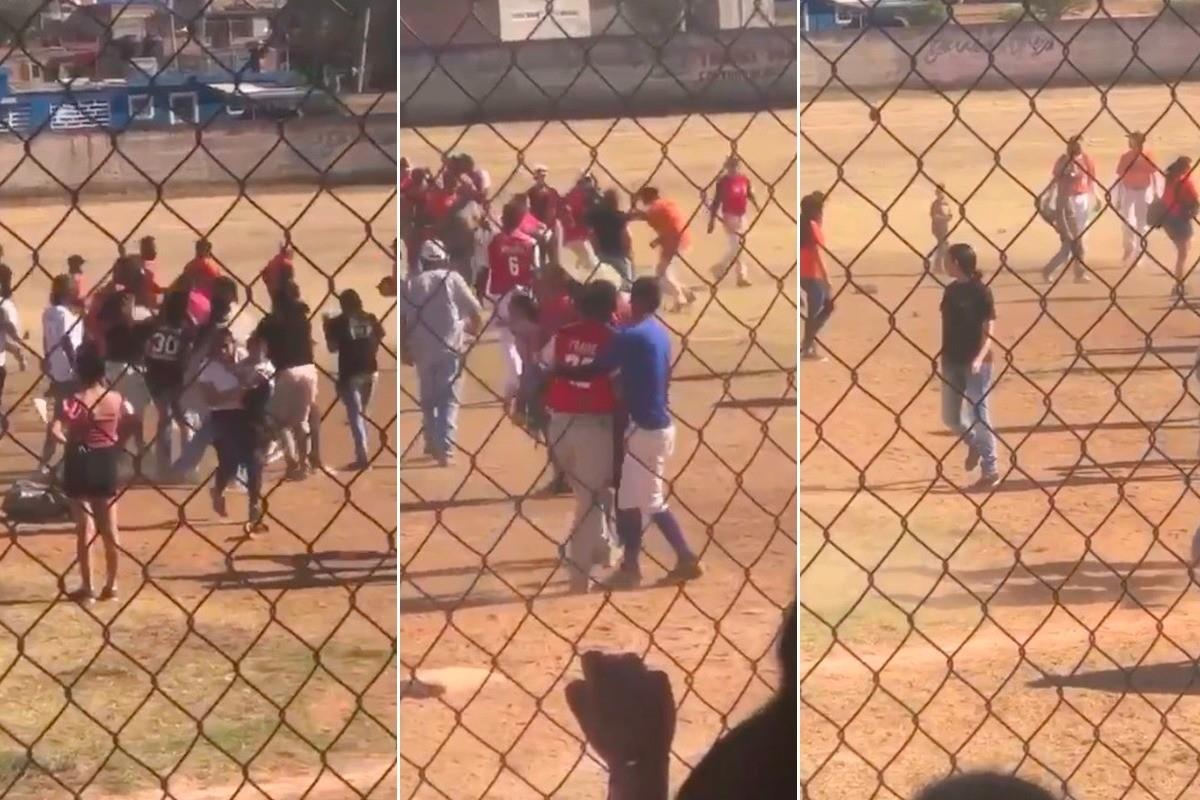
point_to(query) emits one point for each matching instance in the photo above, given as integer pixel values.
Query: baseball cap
(541, 168)
(433, 252)
(75, 262)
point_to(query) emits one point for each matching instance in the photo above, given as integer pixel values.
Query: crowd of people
(190, 350)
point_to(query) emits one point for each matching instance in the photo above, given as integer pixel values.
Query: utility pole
(361, 82)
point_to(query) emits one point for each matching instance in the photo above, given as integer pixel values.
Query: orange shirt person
(814, 280)
(1137, 176)
(669, 224)
(202, 270)
(279, 269)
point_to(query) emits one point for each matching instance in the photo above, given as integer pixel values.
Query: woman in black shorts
(91, 424)
(1179, 205)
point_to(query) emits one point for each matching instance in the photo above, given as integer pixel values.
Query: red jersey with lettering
(733, 191)
(510, 262)
(574, 210)
(576, 345)
(543, 204)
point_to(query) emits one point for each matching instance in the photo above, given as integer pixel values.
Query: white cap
(433, 252)
(541, 168)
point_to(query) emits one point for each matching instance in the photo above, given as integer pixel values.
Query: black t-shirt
(356, 339)
(967, 307)
(608, 227)
(124, 340)
(288, 335)
(167, 349)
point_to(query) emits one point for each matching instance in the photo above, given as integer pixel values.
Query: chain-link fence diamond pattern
(1044, 625)
(490, 632)
(240, 666)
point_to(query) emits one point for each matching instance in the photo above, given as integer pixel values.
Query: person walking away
(641, 354)
(1179, 205)
(1138, 183)
(512, 257)
(576, 233)
(733, 190)
(670, 228)
(91, 423)
(287, 333)
(354, 335)
(437, 311)
(1073, 184)
(169, 339)
(968, 326)
(62, 337)
(581, 430)
(940, 218)
(611, 241)
(814, 278)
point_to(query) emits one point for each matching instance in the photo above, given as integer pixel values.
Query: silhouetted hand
(627, 713)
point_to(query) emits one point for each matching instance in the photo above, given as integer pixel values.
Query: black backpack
(29, 501)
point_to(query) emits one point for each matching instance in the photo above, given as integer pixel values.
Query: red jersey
(574, 212)
(202, 271)
(510, 262)
(733, 192)
(543, 204)
(577, 345)
(438, 203)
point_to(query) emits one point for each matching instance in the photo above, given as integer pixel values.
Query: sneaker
(82, 595)
(254, 527)
(274, 453)
(1083, 277)
(296, 473)
(986, 483)
(624, 579)
(218, 503)
(685, 570)
(813, 354)
(444, 459)
(355, 466)
(972, 458)
(108, 593)
(744, 283)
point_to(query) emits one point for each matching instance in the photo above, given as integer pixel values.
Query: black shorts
(165, 384)
(1178, 228)
(91, 472)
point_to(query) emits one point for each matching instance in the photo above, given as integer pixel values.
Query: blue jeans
(193, 449)
(439, 381)
(818, 306)
(356, 396)
(974, 424)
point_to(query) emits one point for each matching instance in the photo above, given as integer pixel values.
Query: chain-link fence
(234, 162)
(562, 103)
(1031, 608)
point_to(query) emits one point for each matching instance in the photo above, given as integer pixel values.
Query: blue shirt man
(641, 355)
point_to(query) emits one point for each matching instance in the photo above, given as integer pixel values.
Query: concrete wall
(1101, 52)
(309, 152)
(600, 77)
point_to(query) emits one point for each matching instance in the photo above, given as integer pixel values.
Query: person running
(580, 433)
(1137, 186)
(641, 354)
(287, 334)
(91, 423)
(354, 335)
(968, 327)
(940, 218)
(437, 311)
(169, 338)
(733, 191)
(814, 278)
(611, 242)
(671, 238)
(1180, 203)
(62, 337)
(1073, 186)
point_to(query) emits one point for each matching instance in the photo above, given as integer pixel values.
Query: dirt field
(1056, 613)
(483, 610)
(213, 635)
